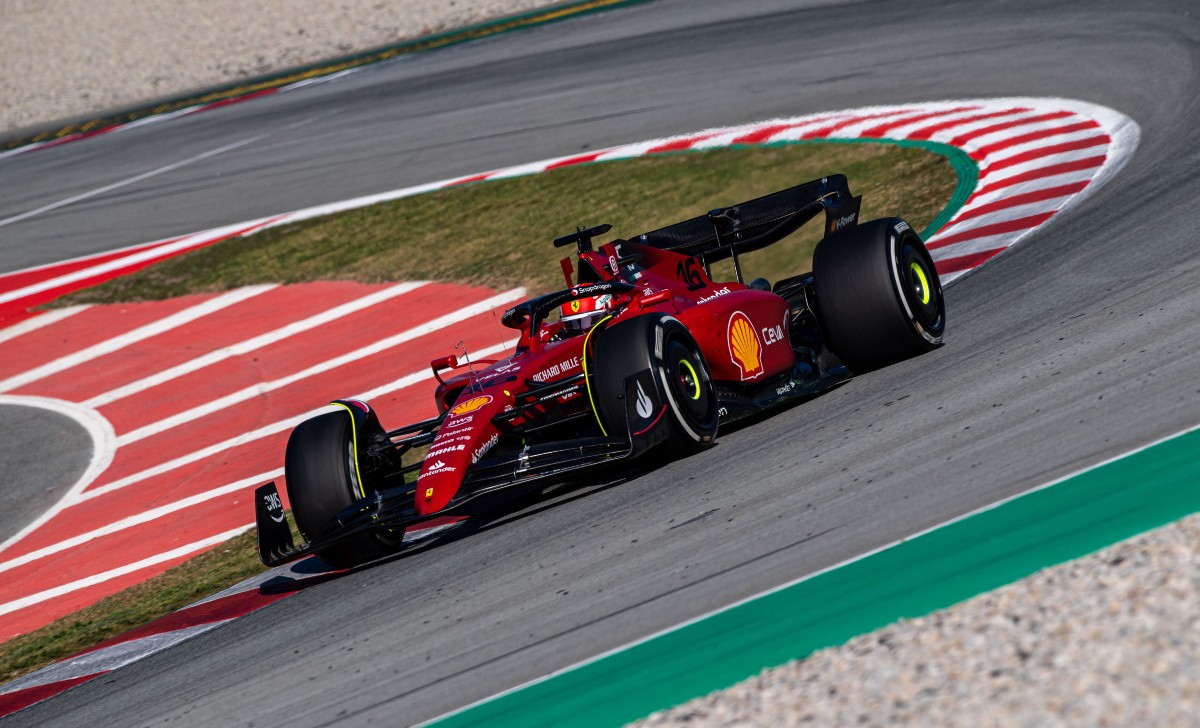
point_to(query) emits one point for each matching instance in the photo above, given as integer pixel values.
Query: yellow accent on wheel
(916, 268)
(586, 379)
(354, 442)
(695, 379)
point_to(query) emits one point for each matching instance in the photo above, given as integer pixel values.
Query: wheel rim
(687, 379)
(921, 289)
(352, 471)
(920, 282)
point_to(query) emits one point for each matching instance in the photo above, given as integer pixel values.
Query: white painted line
(42, 320)
(628, 151)
(140, 518)
(856, 129)
(1015, 212)
(520, 170)
(248, 393)
(268, 430)
(1033, 165)
(358, 202)
(1125, 140)
(168, 247)
(287, 571)
(81, 258)
(1004, 135)
(800, 580)
(945, 117)
(976, 245)
(717, 141)
(201, 454)
(988, 175)
(1124, 134)
(1033, 185)
(252, 344)
(108, 658)
(1047, 144)
(129, 338)
(134, 179)
(945, 136)
(22, 150)
(105, 659)
(58, 591)
(801, 125)
(796, 131)
(118, 128)
(986, 115)
(242, 484)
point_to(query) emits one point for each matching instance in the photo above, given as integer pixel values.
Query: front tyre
(322, 479)
(649, 375)
(879, 300)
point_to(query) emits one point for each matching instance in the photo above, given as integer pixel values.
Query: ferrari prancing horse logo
(744, 347)
(575, 306)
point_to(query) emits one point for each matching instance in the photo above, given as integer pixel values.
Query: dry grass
(498, 233)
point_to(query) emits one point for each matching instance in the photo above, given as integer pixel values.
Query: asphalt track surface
(1075, 347)
(33, 437)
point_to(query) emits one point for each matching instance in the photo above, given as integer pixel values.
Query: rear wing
(757, 223)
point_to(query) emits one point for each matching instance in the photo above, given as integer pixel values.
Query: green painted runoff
(1066, 520)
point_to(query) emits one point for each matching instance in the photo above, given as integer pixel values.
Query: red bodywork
(742, 334)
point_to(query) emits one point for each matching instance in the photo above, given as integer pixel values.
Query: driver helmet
(583, 313)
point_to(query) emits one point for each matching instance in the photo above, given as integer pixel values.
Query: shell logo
(470, 405)
(744, 347)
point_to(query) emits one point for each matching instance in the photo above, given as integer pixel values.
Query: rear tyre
(322, 480)
(879, 300)
(684, 401)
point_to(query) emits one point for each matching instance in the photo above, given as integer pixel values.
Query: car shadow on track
(312, 570)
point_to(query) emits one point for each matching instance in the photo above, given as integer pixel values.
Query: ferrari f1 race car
(641, 354)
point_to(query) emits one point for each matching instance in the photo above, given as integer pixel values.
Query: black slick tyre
(879, 300)
(322, 480)
(677, 400)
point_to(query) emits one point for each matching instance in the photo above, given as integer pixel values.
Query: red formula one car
(641, 353)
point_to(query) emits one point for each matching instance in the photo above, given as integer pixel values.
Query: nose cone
(465, 435)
